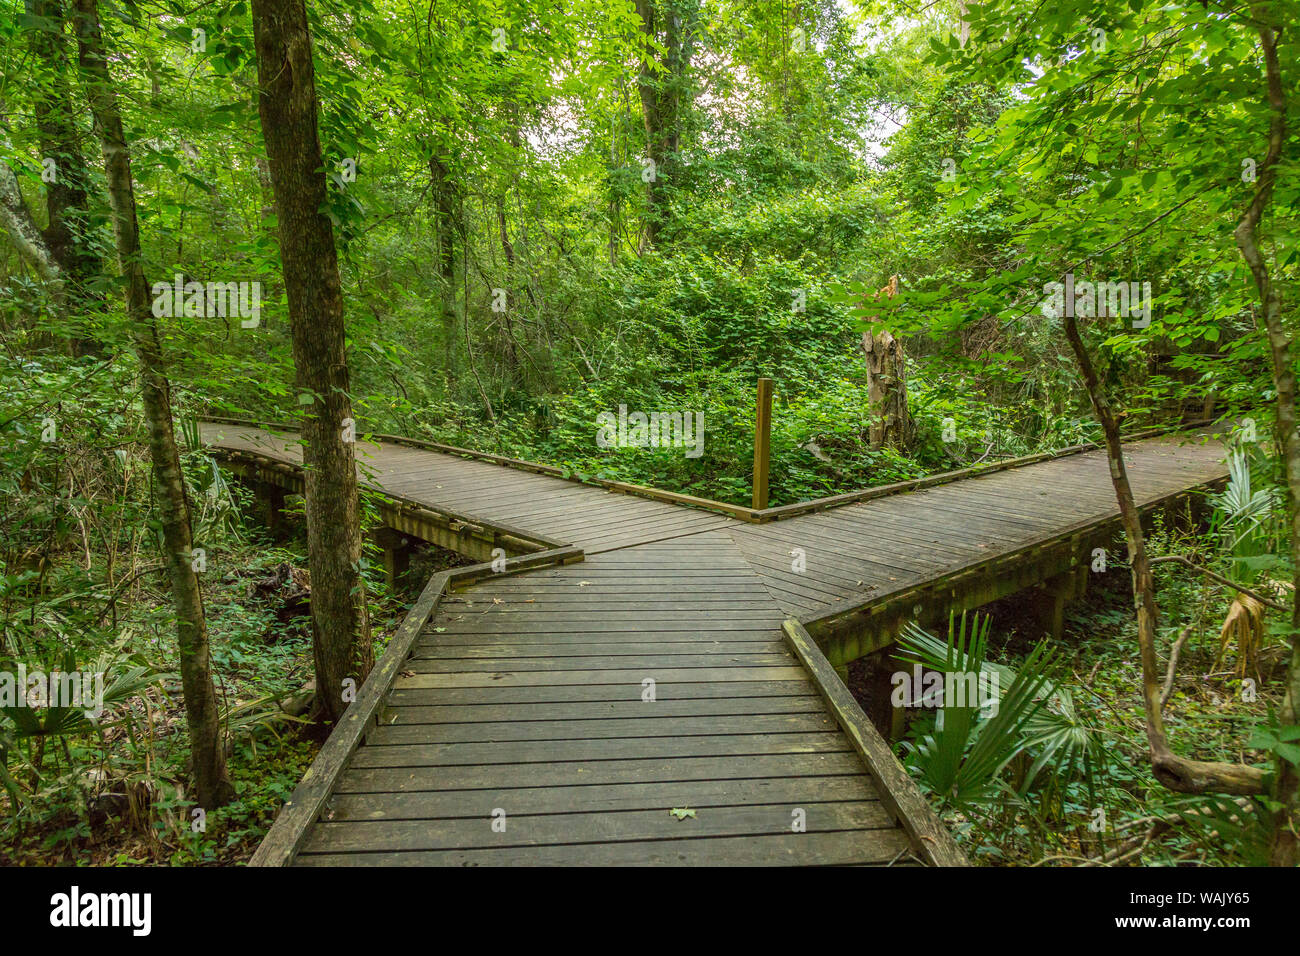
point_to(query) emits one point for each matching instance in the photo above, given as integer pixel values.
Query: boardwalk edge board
(304, 807)
(898, 791)
(751, 515)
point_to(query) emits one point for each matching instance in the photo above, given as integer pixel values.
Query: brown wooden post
(762, 442)
(1049, 600)
(269, 500)
(397, 553)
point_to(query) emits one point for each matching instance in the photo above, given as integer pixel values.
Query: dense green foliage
(487, 172)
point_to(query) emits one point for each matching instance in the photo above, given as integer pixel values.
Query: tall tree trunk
(1175, 772)
(287, 105)
(890, 424)
(507, 324)
(661, 83)
(212, 783)
(66, 200)
(445, 205)
(1286, 790)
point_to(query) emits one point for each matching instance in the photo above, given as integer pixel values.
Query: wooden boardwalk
(556, 713)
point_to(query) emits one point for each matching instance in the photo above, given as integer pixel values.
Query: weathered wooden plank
(586, 828)
(878, 847)
(649, 724)
(558, 751)
(579, 599)
(682, 625)
(601, 798)
(646, 663)
(627, 677)
(430, 648)
(680, 690)
(486, 615)
(541, 637)
(563, 774)
(398, 715)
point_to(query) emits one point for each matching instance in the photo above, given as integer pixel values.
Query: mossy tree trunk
(287, 104)
(211, 781)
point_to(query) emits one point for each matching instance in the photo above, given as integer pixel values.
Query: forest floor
(120, 800)
(1210, 712)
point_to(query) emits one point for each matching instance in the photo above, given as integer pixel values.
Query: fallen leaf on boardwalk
(408, 673)
(439, 630)
(583, 584)
(682, 813)
(497, 601)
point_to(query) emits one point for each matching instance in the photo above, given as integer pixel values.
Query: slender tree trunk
(445, 207)
(661, 86)
(66, 200)
(201, 710)
(287, 105)
(1173, 771)
(1286, 791)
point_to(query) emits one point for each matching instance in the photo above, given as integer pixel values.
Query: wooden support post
(269, 499)
(1060, 595)
(397, 554)
(762, 442)
(1050, 599)
(897, 723)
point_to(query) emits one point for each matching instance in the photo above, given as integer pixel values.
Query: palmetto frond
(970, 746)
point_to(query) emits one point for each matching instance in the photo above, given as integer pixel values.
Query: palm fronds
(973, 742)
